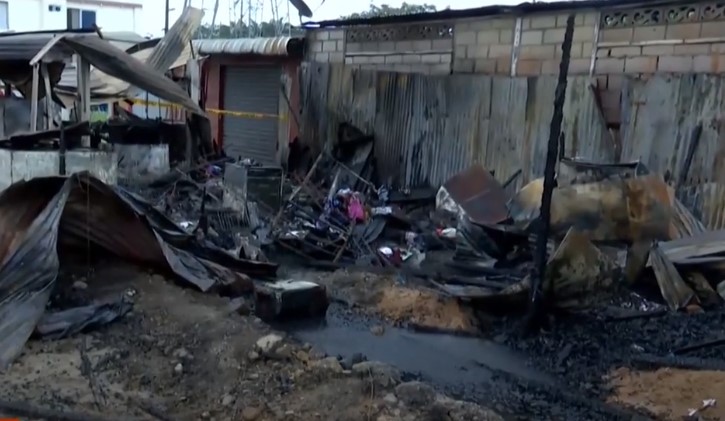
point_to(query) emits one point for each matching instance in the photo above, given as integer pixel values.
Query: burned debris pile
(617, 231)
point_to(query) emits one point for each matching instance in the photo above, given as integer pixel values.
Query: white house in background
(41, 15)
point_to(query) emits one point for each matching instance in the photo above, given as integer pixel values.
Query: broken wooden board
(673, 288)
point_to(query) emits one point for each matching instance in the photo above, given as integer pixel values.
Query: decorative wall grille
(401, 33)
(663, 15)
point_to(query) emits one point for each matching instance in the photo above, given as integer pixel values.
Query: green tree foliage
(244, 30)
(386, 10)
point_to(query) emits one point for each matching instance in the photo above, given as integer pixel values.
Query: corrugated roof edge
(274, 46)
(520, 9)
(49, 32)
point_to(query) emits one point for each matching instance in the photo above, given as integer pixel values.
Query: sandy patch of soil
(399, 303)
(670, 393)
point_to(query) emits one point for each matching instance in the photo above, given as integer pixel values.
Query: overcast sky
(329, 9)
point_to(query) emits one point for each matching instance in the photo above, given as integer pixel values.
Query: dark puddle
(458, 364)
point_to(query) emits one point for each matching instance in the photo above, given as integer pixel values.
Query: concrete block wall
(25, 165)
(484, 46)
(609, 44)
(428, 56)
(326, 46)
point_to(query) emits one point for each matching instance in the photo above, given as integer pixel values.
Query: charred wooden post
(536, 305)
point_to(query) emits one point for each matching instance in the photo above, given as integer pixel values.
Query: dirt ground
(184, 355)
(670, 393)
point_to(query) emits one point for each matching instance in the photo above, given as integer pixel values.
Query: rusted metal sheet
(428, 128)
(479, 195)
(659, 117)
(40, 216)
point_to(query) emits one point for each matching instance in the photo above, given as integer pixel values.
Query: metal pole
(536, 307)
(166, 24)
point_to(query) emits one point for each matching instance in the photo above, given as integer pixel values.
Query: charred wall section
(427, 128)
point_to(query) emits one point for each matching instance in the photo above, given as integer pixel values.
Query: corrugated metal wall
(428, 128)
(659, 115)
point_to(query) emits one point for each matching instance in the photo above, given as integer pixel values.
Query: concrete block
(625, 52)
(683, 31)
(349, 60)
(718, 48)
(550, 67)
(690, 50)
(658, 50)
(353, 47)
(609, 65)
(336, 34)
(583, 33)
(499, 51)
(316, 47)
(562, 18)
(576, 50)
(411, 59)
(340, 45)
(477, 51)
(386, 46)
(443, 44)
(329, 46)
(640, 65)
(322, 34)
(616, 35)
(402, 68)
(403, 46)
(579, 66)
(503, 66)
(590, 18)
(337, 57)
(541, 52)
(554, 36)
(430, 58)
(465, 37)
(675, 64)
(713, 30)
(446, 58)
(322, 57)
(707, 64)
(532, 37)
(506, 36)
(462, 65)
(540, 22)
(370, 47)
(488, 37)
(394, 59)
(528, 67)
(423, 45)
(440, 69)
(649, 33)
(486, 66)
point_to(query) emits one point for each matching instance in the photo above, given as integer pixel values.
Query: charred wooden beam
(536, 305)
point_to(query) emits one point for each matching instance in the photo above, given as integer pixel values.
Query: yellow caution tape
(242, 114)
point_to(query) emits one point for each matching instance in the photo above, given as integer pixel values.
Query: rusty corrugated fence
(428, 128)
(658, 118)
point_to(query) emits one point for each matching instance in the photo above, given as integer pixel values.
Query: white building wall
(39, 15)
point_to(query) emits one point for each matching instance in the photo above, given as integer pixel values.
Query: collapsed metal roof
(57, 47)
(273, 46)
(171, 51)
